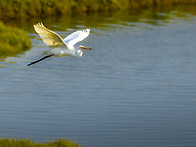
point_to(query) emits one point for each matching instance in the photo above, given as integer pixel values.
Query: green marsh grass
(40, 8)
(28, 143)
(13, 40)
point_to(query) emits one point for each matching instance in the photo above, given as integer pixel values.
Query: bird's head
(79, 51)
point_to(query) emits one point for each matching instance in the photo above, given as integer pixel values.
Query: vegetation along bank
(13, 40)
(40, 8)
(27, 143)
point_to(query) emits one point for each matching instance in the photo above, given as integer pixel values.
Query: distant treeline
(40, 8)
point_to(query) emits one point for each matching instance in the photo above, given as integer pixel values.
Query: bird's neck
(78, 53)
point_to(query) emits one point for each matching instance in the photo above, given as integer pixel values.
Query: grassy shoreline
(5, 142)
(40, 8)
(13, 40)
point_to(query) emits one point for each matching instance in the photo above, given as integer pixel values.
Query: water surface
(137, 87)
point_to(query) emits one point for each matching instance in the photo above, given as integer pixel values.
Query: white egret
(61, 47)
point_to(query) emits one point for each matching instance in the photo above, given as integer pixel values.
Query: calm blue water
(137, 87)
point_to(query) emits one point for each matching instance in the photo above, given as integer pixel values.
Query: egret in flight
(61, 47)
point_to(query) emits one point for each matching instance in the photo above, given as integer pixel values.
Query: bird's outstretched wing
(76, 37)
(51, 38)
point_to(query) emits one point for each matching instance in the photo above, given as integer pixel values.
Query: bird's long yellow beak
(86, 48)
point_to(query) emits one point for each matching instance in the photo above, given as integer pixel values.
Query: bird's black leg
(40, 59)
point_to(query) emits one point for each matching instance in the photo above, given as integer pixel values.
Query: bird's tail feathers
(47, 53)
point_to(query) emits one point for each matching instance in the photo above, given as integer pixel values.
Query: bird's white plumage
(75, 37)
(51, 38)
(61, 47)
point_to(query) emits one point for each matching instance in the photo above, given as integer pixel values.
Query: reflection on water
(136, 88)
